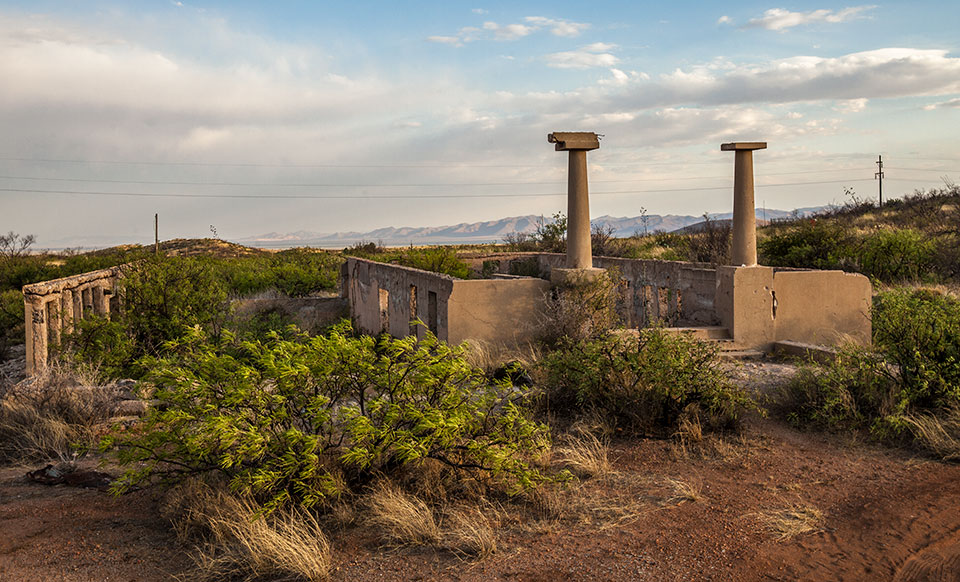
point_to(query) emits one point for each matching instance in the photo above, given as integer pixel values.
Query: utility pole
(156, 234)
(879, 176)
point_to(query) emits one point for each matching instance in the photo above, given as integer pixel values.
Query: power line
(379, 185)
(402, 196)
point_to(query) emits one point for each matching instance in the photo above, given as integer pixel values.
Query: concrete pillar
(66, 310)
(579, 247)
(53, 320)
(579, 252)
(101, 305)
(744, 251)
(36, 332)
(77, 304)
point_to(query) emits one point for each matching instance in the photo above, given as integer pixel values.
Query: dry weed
(53, 415)
(243, 544)
(939, 434)
(684, 491)
(792, 521)
(403, 518)
(585, 455)
(470, 531)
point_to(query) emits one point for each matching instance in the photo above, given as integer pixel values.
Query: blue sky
(348, 116)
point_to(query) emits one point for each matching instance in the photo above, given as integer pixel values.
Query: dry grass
(939, 434)
(241, 544)
(470, 531)
(402, 518)
(55, 415)
(792, 521)
(584, 454)
(684, 491)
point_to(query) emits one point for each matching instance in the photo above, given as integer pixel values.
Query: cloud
(951, 104)
(506, 32)
(479, 11)
(780, 19)
(882, 73)
(454, 40)
(591, 55)
(724, 20)
(851, 106)
(557, 27)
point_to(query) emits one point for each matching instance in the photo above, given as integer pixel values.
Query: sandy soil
(886, 516)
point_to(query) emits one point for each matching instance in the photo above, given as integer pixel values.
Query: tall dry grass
(939, 434)
(55, 415)
(239, 543)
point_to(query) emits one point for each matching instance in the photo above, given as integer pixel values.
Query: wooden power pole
(879, 176)
(156, 234)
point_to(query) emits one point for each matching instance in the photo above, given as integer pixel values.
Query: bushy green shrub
(299, 419)
(896, 255)
(11, 320)
(913, 369)
(848, 393)
(812, 243)
(436, 259)
(918, 331)
(104, 343)
(162, 296)
(645, 384)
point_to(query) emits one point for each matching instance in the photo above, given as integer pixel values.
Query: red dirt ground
(886, 516)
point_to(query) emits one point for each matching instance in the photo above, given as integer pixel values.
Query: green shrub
(162, 296)
(644, 384)
(436, 259)
(104, 343)
(849, 393)
(11, 320)
(912, 371)
(918, 331)
(581, 308)
(897, 255)
(299, 419)
(812, 243)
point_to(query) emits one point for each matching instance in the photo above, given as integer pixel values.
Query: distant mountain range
(490, 231)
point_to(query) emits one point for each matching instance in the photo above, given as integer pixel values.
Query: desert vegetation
(272, 444)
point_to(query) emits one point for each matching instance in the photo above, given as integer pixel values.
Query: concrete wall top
(58, 285)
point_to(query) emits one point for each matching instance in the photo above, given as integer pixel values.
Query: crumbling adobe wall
(670, 292)
(385, 297)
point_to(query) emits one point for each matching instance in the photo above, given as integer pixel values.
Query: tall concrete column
(578, 143)
(579, 247)
(744, 251)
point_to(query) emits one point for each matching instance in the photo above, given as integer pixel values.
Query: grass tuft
(792, 521)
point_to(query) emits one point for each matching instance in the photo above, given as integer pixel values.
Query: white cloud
(591, 55)
(951, 104)
(780, 19)
(851, 106)
(479, 11)
(454, 40)
(724, 20)
(507, 32)
(558, 27)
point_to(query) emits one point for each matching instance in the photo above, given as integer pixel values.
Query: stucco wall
(496, 310)
(822, 307)
(373, 311)
(672, 292)
(761, 305)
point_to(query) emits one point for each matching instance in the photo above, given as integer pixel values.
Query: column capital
(574, 140)
(743, 145)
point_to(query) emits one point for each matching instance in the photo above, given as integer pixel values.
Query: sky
(241, 118)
